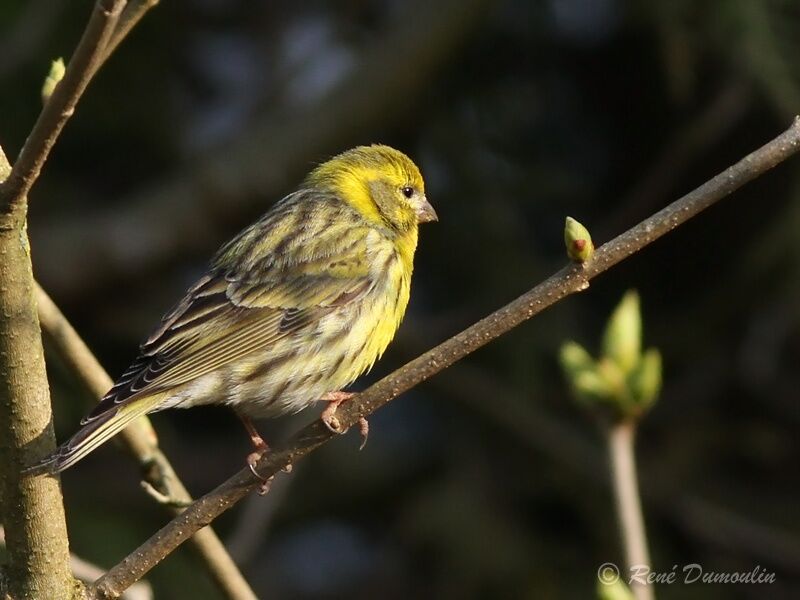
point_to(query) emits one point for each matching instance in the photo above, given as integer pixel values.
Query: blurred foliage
(623, 380)
(485, 481)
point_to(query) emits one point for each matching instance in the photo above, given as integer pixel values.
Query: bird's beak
(425, 212)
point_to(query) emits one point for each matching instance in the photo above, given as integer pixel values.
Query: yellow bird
(290, 311)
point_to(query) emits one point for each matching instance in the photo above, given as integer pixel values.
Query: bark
(32, 510)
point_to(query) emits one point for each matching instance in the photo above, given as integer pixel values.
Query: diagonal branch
(86, 571)
(110, 23)
(567, 281)
(130, 17)
(84, 63)
(141, 442)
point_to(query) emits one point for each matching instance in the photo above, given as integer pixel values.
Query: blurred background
(487, 481)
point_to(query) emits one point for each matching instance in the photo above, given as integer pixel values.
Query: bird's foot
(260, 449)
(328, 416)
(252, 461)
(332, 422)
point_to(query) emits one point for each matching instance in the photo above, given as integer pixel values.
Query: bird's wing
(229, 314)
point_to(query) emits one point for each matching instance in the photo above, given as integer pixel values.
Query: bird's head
(381, 183)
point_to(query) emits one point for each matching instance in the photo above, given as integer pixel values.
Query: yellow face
(381, 183)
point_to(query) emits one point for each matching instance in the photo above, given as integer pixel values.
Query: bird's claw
(332, 422)
(252, 461)
(363, 428)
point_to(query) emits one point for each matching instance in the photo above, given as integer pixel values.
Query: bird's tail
(95, 432)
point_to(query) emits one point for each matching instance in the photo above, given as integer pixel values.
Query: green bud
(645, 380)
(582, 373)
(623, 379)
(613, 591)
(614, 377)
(591, 386)
(53, 77)
(575, 358)
(578, 241)
(622, 340)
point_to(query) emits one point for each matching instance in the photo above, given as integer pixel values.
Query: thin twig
(132, 14)
(567, 281)
(110, 23)
(140, 440)
(628, 504)
(59, 108)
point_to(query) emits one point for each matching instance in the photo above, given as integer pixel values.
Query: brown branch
(31, 511)
(130, 17)
(86, 571)
(32, 508)
(140, 440)
(59, 108)
(107, 27)
(567, 281)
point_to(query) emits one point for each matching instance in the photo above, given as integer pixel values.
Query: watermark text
(693, 573)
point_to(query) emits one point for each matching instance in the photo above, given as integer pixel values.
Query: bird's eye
(408, 191)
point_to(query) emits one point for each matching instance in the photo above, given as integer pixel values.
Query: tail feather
(93, 434)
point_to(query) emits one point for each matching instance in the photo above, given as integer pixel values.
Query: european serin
(291, 310)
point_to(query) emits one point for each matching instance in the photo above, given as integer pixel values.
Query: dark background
(487, 481)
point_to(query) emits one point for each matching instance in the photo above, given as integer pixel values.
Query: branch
(628, 503)
(132, 14)
(86, 571)
(140, 440)
(33, 510)
(567, 281)
(107, 27)
(85, 61)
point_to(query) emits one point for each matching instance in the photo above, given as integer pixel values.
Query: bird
(290, 311)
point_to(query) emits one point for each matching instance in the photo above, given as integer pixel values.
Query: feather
(298, 304)
(93, 434)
